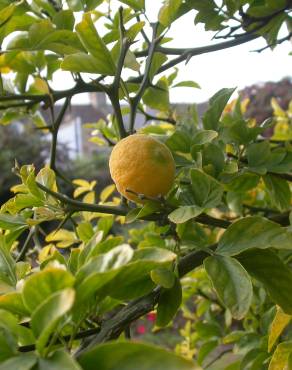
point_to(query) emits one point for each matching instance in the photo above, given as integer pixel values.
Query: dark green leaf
(135, 4)
(206, 191)
(179, 141)
(95, 46)
(163, 277)
(213, 157)
(204, 137)
(168, 304)
(184, 213)
(231, 282)
(279, 191)
(7, 269)
(257, 155)
(59, 360)
(253, 232)
(22, 362)
(128, 354)
(217, 104)
(64, 19)
(48, 314)
(276, 277)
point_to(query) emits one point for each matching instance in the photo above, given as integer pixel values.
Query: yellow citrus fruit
(143, 165)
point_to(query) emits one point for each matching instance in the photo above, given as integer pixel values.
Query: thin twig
(25, 246)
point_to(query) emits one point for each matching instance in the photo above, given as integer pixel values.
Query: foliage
(218, 246)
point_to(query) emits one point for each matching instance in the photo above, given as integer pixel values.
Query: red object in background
(151, 316)
(141, 329)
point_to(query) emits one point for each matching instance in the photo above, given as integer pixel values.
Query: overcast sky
(232, 67)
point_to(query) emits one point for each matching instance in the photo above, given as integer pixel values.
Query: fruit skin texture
(141, 164)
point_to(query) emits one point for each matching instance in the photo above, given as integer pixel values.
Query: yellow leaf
(40, 86)
(89, 197)
(280, 322)
(61, 235)
(97, 140)
(278, 111)
(106, 192)
(4, 68)
(79, 191)
(81, 182)
(45, 252)
(21, 188)
(281, 356)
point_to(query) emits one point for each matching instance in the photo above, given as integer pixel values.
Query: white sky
(234, 67)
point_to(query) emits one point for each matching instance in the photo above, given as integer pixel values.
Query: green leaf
(7, 269)
(6, 13)
(208, 14)
(128, 354)
(157, 61)
(95, 46)
(179, 141)
(281, 356)
(217, 104)
(8, 345)
(280, 322)
(253, 232)
(9, 322)
(75, 5)
(206, 191)
(101, 269)
(242, 182)
(258, 155)
(205, 349)
(168, 304)
(41, 285)
(276, 277)
(46, 317)
(232, 284)
(184, 213)
(157, 97)
(204, 137)
(168, 12)
(13, 302)
(279, 191)
(121, 276)
(133, 279)
(193, 84)
(22, 362)
(64, 19)
(135, 4)
(213, 156)
(163, 277)
(81, 62)
(59, 360)
(85, 231)
(10, 222)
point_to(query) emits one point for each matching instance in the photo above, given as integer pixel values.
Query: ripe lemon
(143, 165)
